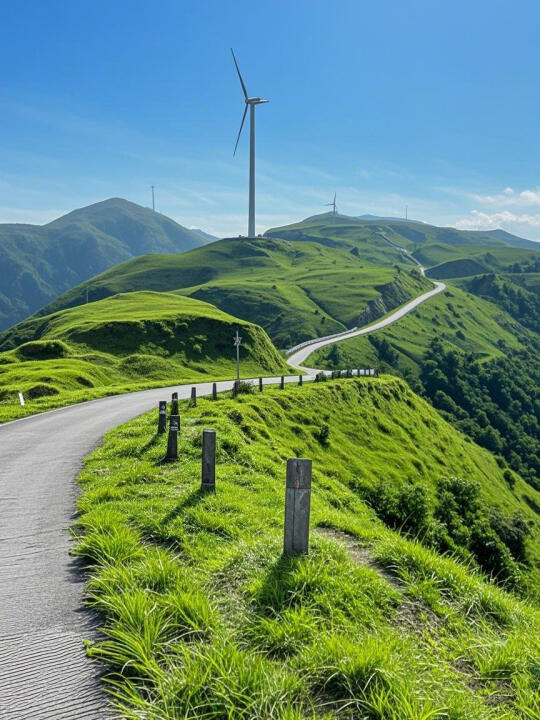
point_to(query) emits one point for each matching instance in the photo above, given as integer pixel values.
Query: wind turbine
(251, 102)
(333, 205)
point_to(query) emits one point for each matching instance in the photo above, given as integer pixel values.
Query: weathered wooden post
(208, 475)
(235, 388)
(162, 417)
(282, 383)
(172, 441)
(297, 506)
(214, 391)
(260, 384)
(174, 404)
(300, 380)
(193, 401)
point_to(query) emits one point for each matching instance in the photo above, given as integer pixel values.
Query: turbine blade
(240, 131)
(239, 75)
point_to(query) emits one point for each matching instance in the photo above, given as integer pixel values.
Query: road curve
(44, 672)
(298, 357)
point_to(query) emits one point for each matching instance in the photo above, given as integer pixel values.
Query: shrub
(322, 435)
(43, 350)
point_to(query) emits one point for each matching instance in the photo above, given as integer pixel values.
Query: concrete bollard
(193, 401)
(297, 507)
(172, 440)
(300, 380)
(174, 404)
(260, 384)
(208, 474)
(214, 391)
(282, 383)
(162, 417)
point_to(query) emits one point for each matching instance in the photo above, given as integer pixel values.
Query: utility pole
(406, 212)
(87, 294)
(237, 343)
(153, 201)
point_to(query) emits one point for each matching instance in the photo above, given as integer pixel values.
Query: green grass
(204, 618)
(457, 318)
(126, 342)
(38, 263)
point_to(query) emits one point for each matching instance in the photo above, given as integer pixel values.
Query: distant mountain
(38, 263)
(513, 240)
(204, 235)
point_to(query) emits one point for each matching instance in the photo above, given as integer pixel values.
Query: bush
(322, 435)
(43, 350)
(244, 388)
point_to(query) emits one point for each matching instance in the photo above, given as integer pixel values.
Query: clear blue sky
(434, 104)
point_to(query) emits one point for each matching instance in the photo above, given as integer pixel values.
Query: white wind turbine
(251, 102)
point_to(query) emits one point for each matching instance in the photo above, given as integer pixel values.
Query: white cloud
(488, 221)
(509, 198)
(508, 191)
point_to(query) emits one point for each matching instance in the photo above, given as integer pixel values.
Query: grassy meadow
(397, 613)
(123, 343)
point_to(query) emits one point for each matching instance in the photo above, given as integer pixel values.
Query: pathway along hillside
(300, 355)
(44, 672)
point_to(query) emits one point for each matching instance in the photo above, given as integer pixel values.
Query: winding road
(44, 672)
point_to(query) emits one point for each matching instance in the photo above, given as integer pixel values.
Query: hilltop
(123, 343)
(38, 263)
(417, 599)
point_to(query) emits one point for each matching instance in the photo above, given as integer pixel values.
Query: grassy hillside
(204, 618)
(38, 263)
(123, 343)
(457, 318)
(447, 262)
(295, 290)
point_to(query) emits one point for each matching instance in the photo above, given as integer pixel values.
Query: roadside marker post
(260, 384)
(172, 440)
(208, 470)
(282, 383)
(193, 401)
(162, 417)
(300, 380)
(297, 507)
(214, 391)
(174, 404)
(21, 399)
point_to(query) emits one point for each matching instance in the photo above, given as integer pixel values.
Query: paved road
(44, 672)
(297, 358)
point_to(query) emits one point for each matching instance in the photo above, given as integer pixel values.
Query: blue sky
(430, 104)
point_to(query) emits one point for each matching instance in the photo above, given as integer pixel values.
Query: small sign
(21, 399)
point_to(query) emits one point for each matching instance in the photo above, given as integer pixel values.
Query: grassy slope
(480, 323)
(204, 619)
(295, 290)
(37, 263)
(124, 343)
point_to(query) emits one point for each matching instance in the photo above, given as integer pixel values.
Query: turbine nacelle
(256, 101)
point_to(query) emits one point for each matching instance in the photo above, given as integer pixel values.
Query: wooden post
(214, 391)
(172, 441)
(235, 388)
(282, 383)
(260, 384)
(162, 417)
(174, 404)
(297, 506)
(208, 475)
(193, 401)
(300, 380)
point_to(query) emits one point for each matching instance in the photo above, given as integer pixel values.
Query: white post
(251, 223)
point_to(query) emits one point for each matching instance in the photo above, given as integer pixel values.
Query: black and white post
(297, 507)
(208, 475)
(162, 417)
(237, 343)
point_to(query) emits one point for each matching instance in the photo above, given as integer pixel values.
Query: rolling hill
(122, 343)
(417, 600)
(38, 263)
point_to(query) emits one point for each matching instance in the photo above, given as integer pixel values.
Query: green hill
(122, 343)
(295, 290)
(38, 263)
(418, 599)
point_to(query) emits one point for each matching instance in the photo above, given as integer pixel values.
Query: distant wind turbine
(333, 205)
(251, 102)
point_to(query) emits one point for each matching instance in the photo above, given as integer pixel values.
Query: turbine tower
(251, 102)
(333, 205)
